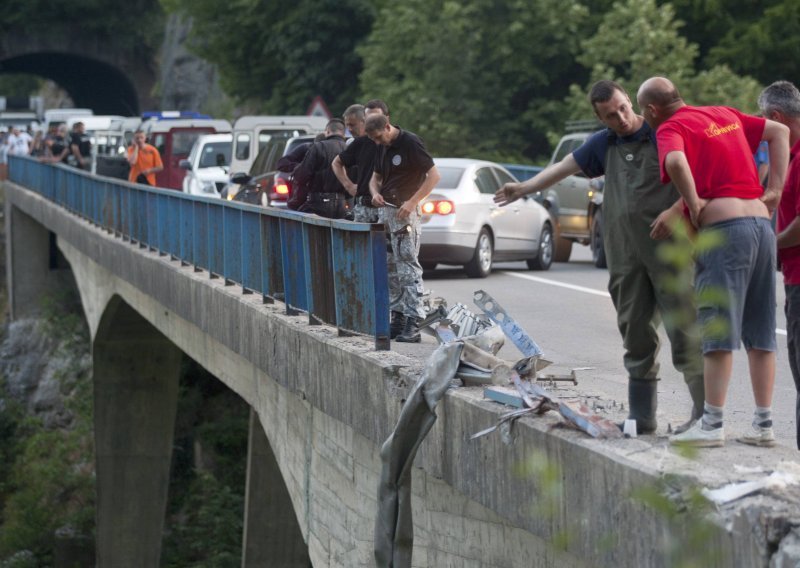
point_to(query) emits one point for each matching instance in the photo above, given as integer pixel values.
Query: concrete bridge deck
(325, 404)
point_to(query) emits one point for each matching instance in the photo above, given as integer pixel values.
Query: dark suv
(576, 202)
(264, 184)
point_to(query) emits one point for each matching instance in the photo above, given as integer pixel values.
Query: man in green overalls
(637, 209)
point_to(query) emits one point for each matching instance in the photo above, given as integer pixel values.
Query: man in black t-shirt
(80, 147)
(360, 155)
(404, 175)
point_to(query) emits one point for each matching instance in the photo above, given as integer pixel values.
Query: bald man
(706, 152)
(633, 201)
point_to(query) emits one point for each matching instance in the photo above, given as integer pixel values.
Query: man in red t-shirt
(781, 102)
(707, 152)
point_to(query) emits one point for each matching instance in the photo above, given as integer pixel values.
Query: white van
(207, 165)
(251, 134)
(98, 128)
(56, 116)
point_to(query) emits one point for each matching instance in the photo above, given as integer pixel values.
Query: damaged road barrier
(492, 369)
(394, 528)
(788, 473)
(534, 398)
(513, 331)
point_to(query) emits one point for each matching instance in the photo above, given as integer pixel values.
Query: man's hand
(662, 226)
(696, 211)
(771, 198)
(377, 200)
(351, 188)
(406, 209)
(509, 193)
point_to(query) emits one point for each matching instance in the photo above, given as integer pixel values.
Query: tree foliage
(660, 49)
(282, 54)
(472, 77)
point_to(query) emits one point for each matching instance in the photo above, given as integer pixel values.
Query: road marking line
(557, 283)
(583, 289)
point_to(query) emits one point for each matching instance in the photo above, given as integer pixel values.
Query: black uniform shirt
(360, 153)
(402, 166)
(83, 142)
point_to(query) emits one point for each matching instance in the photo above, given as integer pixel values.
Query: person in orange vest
(144, 159)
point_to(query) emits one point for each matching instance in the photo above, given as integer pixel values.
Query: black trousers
(332, 207)
(792, 310)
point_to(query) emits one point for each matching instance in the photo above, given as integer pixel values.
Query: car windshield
(216, 154)
(450, 177)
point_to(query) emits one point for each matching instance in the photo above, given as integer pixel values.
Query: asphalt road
(568, 312)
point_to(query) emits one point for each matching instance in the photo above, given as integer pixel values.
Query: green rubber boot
(643, 402)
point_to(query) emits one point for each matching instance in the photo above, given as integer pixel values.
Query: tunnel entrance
(90, 83)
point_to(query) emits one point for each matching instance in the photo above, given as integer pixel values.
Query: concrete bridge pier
(36, 268)
(136, 374)
(272, 536)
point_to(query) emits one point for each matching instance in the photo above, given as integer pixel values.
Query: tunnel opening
(90, 83)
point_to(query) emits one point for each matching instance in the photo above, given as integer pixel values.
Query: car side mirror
(185, 165)
(240, 178)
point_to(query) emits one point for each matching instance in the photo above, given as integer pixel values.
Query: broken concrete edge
(484, 469)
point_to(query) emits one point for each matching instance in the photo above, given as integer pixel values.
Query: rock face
(40, 371)
(187, 82)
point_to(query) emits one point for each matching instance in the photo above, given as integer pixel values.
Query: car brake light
(281, 189)
(443, 207)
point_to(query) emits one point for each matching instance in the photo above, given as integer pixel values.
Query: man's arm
(677, 167)
(552, 174)
(375, 183)
(133, 154)
(432, 177)
(790, 236)
(777, 135)
(341, 174)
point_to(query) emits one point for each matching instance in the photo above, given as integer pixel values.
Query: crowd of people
(57, 145)
(678, 163)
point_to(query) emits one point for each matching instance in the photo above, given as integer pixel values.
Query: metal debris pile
(483, 336)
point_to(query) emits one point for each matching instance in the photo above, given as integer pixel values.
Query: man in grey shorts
(724, 194)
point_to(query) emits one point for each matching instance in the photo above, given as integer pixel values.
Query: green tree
(474, 78)
(282, 54)
(637, 39)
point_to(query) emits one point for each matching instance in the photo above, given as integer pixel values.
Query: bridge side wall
(327, 403)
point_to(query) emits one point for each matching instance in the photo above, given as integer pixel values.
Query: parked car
(576, 202)
(207, 165)
(461, 224)
(252, 133)
(174, 139)
(264, 184)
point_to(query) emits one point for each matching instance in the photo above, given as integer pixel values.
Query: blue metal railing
(335, 271)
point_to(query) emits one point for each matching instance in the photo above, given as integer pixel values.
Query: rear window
(267, 135)
(450, 177)
(216, 154)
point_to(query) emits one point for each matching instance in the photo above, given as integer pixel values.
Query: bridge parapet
(333, 270)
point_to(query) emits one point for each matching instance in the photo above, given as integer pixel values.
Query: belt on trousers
(317, 197)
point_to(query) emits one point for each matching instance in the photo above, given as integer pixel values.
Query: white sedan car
(461, 223)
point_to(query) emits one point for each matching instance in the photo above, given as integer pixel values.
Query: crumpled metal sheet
(394, 529)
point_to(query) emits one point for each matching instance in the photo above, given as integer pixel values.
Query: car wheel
(480, 266)
(562, 248)
(428, 265)
(546, 245)
(596, 242)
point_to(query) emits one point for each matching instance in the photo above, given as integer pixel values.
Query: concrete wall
(327, 403)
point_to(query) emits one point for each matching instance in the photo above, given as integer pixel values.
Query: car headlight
(208, 187)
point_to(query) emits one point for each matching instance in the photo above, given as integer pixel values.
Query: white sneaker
(758, 436)
(699, 438)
